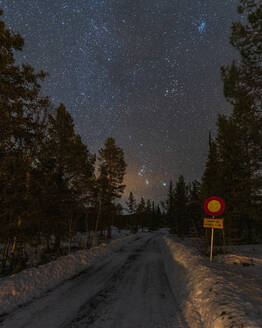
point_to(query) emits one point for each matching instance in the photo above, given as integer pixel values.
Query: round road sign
(214, 206)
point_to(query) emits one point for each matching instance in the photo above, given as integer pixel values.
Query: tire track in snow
(60, 305)
(139, 296)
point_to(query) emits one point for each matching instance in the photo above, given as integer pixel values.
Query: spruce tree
(131, 203)
(211, 185)
(170, 199)
(141, 213)
(181, 223)
(242, 79)
(194, 207)
(168, 206)
(141, 208)
(243, 89)
(148, 218)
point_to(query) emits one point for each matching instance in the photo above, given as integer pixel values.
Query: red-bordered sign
(214, 206)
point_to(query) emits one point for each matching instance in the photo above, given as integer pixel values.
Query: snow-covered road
(128, 289)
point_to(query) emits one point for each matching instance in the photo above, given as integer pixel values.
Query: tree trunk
(99, 212)
(57, 245)
(47, 243)
(109, 231)
(5, 254)
(87, 233)
(70, 223)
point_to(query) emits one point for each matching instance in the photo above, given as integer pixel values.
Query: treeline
(233, 169)
(142, 215)
(183, 208)
(234, 166)
(48, 186)
(181, 212)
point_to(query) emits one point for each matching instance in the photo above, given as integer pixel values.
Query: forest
(52, 187)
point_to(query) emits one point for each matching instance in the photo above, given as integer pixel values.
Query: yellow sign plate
(213, 223)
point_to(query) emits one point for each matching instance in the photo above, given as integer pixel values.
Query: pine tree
(22, 122)
(68, 169)
(112, 169)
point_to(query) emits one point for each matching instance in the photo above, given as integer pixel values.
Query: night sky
(146, 72)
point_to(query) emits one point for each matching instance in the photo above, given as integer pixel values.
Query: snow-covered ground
(30, 283)
(145, 280)
(226, 293)
(128, 288)
(79, 241)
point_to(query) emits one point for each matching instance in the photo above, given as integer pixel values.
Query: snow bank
(209, 294)
(30, 283)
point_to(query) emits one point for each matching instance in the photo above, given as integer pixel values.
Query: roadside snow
(224, 294)
(30, 283)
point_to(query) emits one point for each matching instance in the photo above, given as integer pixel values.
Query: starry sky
(146, 72)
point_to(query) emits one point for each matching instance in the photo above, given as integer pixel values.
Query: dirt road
(129, 289)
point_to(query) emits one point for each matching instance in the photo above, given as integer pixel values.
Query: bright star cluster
(145, 72)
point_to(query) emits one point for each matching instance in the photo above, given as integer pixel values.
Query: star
(202, 26)
(136, 71)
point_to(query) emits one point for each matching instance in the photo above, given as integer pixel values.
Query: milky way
(146, 72)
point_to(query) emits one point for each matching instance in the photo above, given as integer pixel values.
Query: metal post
(211, 249)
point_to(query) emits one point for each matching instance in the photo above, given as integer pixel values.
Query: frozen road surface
(128, 289)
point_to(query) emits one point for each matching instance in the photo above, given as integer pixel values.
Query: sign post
(211, 248)
(213, 206)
